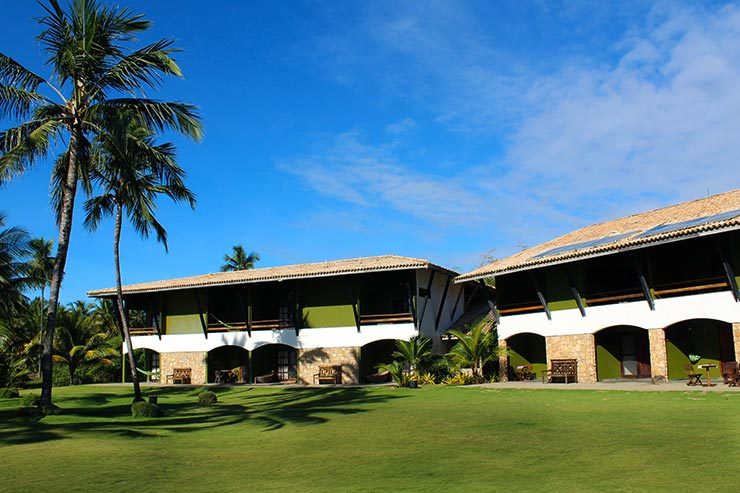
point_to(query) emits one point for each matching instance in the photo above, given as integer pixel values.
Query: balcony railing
(275, 324)
(142, 331)
(386, 318)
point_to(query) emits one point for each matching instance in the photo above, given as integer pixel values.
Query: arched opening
(373, 354)
(147, 365)
(622, 352)
(709, 340)
(275, 363)
(526, 349)
(228, 364)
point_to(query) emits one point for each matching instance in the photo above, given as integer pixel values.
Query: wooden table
(707, 367)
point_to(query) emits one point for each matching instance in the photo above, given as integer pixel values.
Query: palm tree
(78, 343)
(93, 77)
(40, 265)
(239, 260)
(132, 170)
(475, 348)
(13, 279)
(414, 352)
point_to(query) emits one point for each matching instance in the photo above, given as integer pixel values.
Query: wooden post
(442, 303)
(541, 296)
(200, 314)
(457, 302)
(353, 300)
(426, 298)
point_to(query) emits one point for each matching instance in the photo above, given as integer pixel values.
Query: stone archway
(622, 352)
(711, 340)
(526, 348)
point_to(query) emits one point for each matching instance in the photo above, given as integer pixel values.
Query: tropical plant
(94, 76)
(414, 353)
(474, 348)
(239, 260)
(426, 378)
(397, 371)
(459, 378)
(13, 279)
(39, 268)
(132, 170)
(77, 341)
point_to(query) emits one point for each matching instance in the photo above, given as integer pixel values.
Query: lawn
(376, 439)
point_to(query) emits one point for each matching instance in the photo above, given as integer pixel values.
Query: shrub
(207, 398)
(60, 376)
(426, 379)
(6, 393)
(459, 379)
(30, 400)
(143, 409)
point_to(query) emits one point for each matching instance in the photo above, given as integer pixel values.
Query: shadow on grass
(99, 413)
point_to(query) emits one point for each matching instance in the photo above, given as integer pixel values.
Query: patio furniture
(225, 376)
(708, 367)
(567, 369)
(523, 373)
(728, 371)
(733, 378)
(328, 374)
(694, 377)
(382, 377)
(180, 375)
(266, 378)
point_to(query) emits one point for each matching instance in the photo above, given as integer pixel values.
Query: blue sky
(440, 130)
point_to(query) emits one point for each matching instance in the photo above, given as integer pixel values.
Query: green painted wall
(701, 340)
(325, 303)
(182, 312)
(527, 349)
(608, 366)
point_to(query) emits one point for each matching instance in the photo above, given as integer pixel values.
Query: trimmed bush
(30, 400)
(143, 409)
(207, 398)
(6, 393)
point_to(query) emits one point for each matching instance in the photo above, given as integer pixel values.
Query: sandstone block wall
(196, 361)
(736, 337)
(578, 346)
(503, 362)
(309, 361)
(658, 355)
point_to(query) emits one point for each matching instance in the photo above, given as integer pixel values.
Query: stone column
(309, 361)
(503, 362)
(196, 361)
(658, 356)
(736, 337)
(581, 347)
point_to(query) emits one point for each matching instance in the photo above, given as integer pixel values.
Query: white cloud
(401, 126)
(371, 176)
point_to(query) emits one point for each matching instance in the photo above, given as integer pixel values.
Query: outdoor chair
(694, 377)
(729, 370)
(266, 378)
(523, 373)
(566, 369)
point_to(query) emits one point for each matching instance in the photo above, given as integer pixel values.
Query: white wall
(718, 306)
(450, 312)
(306, 338)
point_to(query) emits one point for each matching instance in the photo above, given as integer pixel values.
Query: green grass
(376, 439)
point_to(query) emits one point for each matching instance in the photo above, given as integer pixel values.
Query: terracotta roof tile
(297, 271)
(624, 233)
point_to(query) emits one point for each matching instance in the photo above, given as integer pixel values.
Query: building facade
(643, 296)
(284, 323)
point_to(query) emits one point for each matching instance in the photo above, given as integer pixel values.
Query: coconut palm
(40, 265)
(77, 341)
(13, 278)
(414, 352)
(239, 260)
(132, 170)
(475, 348)
(93, 76)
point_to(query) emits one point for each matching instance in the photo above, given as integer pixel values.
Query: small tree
(475, 348)
(414, 353)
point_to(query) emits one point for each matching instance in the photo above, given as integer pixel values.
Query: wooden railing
(142, 331)
(256, 325)
(386, 318)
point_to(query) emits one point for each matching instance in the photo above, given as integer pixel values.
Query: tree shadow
(266, 409)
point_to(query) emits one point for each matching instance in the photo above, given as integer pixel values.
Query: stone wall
(503, 362)
(736, 337)
(580, 347)
(658, 356)
(309, 361)
(196, 361)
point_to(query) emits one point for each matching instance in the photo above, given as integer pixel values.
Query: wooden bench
(566, 369)
(329, 374)
(180, 375)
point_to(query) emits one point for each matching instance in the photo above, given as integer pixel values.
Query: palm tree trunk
(65, 231)
(119, 303)
(41, 318)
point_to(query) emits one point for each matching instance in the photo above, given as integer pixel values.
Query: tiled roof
(624, 233)
(298, 271)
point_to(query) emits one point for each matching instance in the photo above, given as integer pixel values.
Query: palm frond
(22, 146)
(145, 67)
(14, 74)
(158, 115)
